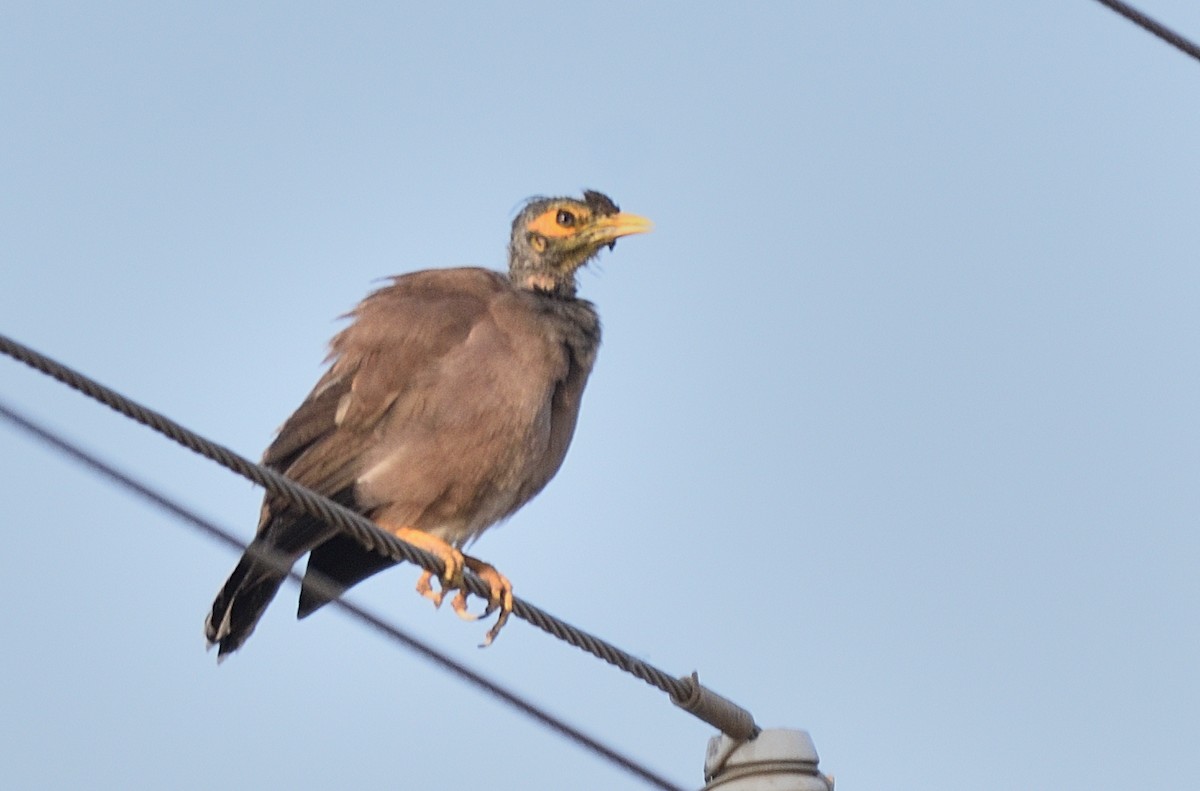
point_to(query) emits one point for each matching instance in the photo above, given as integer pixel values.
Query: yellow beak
(609, 228)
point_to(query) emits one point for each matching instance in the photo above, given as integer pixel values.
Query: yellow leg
(451, 558)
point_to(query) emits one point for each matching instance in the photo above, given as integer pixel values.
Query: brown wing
(398, 333)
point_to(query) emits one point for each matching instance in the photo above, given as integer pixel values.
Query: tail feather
(282, 538)
(241, 602)
(340, 563)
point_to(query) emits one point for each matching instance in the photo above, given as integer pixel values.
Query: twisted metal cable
(1168, 35)
(327, 587)
(686, 692)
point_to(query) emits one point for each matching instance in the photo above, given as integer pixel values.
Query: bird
(449, 402)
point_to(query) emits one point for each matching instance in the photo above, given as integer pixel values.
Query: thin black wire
(686, 692)
(326, 586)
(1168, 35)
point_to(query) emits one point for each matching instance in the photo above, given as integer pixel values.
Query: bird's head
(553, 237)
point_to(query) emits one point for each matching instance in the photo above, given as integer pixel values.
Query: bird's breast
(470, 443)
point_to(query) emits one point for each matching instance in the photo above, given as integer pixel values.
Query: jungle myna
(450, 401)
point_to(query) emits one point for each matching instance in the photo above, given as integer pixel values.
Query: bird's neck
(545, 283)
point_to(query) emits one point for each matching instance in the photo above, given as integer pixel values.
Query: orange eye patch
(559, 222)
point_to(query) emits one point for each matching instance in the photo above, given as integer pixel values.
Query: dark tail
(282, 538)
(338, 563)
(242, 601)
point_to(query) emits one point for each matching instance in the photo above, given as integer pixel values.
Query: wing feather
(398, 335)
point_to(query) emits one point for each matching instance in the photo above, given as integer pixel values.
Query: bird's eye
(565, 218)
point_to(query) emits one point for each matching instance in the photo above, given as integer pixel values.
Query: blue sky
(893, 435)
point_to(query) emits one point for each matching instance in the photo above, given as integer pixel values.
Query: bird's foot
(500, 597)
(427, 590)
(452, 560)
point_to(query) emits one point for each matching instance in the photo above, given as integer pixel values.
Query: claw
(500, 596)
(495, 599)
(426, 589)
(460, 607)
(496, 627)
